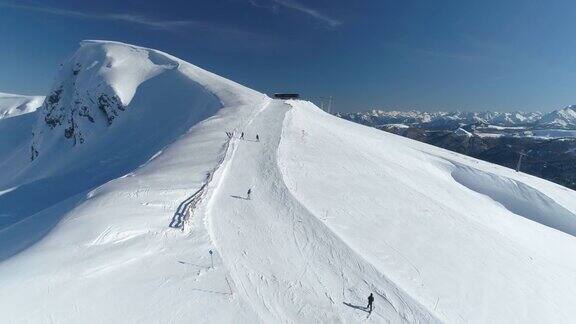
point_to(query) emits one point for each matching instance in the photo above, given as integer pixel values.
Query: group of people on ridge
(230, 135)
(257, 137)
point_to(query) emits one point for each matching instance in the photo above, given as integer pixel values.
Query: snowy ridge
(443, 118)
(83, 133)
(93, 96)
(562, 118)
(12, 105)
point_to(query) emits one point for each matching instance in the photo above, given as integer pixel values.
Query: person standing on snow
(242, 135)
(370, 301)
(248, 193)
(257, 138)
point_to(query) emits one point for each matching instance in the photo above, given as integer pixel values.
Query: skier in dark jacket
(248, 193)
(257, 138)
(370, 301)
(242, 135)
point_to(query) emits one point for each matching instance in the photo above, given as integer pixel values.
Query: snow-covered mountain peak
(93, 89)
(442, 118)
(106, 84)
(562, 118)
(112, 106)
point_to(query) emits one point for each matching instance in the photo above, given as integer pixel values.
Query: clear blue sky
(450, 54)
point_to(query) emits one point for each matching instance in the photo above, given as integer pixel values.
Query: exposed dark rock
(77, 69)
(109, 106)
(53, 116)
(34, 153)
(84, 111)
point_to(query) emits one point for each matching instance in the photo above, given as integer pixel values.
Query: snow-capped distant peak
(562, 118)
(462, 132)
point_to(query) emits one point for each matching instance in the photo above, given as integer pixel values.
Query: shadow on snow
(362, 308)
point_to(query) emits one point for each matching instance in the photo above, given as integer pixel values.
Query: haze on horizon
(453, 55)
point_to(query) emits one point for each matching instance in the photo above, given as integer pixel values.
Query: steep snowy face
(92, 90)
(113, 103)
(12, 105)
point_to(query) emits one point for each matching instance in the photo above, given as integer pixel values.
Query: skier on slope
(370, 301)
(242, 135)
(257, 138)
(248, 193)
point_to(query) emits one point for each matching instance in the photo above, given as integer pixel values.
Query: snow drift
(131, 144)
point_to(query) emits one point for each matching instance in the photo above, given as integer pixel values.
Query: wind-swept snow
(93, 212)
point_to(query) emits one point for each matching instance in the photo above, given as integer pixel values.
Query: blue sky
(469, 55)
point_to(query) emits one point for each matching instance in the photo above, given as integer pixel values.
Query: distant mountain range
(561, 119)
(547, 140)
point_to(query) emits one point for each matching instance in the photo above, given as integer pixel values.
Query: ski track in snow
(249, 234)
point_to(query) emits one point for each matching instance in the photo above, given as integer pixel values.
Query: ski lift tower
(520, 160)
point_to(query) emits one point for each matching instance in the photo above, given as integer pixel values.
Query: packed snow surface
(118, 227)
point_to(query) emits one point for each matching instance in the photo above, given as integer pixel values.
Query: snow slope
(17, 117)
(86, 233)
(287, 263)
(471, 241)
(337, 211)
(12, 105)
